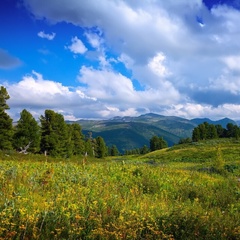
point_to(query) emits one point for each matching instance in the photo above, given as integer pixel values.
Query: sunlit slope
(205, 153)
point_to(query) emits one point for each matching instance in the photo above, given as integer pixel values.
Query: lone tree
(6, 128)
(27, 133)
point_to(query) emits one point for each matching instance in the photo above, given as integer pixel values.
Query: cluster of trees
(143, 150)
(53, 136)
(156, 143)
(210, 131)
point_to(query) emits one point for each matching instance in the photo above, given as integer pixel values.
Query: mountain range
(133, 132)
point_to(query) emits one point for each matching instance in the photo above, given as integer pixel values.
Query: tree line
(206, 131)
(54, 137)
(155, 143)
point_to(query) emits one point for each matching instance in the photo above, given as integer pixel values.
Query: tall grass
(115, 200)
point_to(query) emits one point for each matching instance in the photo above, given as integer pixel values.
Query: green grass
(125, 197)
(199, 155)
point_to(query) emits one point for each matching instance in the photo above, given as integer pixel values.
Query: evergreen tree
(212, 132)
(77, 139)
(196, 134)
(6, 128)
(55, 137)
(89, 147)
(113, 151)
(101, 148)
(154, 143)
(185, 140)
(157, 143)
(27, 131)
(4, 96)
(203, 130)
(221, 132)
(144, 150)
(233, 131)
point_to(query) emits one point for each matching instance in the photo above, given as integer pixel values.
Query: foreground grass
(185, 192)
(115, 200)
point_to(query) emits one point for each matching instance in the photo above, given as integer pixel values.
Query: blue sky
(106, 58)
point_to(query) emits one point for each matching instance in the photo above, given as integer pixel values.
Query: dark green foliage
(101, 148)
(89, 147)
(206, 131)
(3, 99)
(55, 137)
(211, 132)
(129, 135)
(113, 151)
(76, 139)
(185, 140)
(6, 129)
(221, 132)
(144, 150)
(233, 131)
(27, 131)
(157, 143)
(196, 134)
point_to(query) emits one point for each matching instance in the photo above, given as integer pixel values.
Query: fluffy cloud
(47, 35)
(34, 92)
(114, 88)
(156, 64)
(7, 61)
(77, 46)
(94, 38)
(181, 65)
(192, 110)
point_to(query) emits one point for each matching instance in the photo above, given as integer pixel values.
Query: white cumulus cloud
(179, 64)
(77, 46)
(48, 36)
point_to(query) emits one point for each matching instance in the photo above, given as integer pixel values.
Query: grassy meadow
(184, 192)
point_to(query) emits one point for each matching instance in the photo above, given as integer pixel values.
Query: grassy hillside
(134, 132)
(130, 135)
(184, 192)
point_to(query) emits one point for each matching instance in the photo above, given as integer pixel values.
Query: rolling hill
(134, 132)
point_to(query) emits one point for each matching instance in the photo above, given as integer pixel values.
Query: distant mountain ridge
(134, 132)
(223, 122)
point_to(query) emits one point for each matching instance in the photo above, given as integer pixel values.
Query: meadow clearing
(127, 197)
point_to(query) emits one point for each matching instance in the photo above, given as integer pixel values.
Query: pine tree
(154, 143)
(196, 134)
(144, 149)
(6, 128)
(89, 147)
(54, 133)
(77, 139)
(113, 151)
(157, 143)
(101, 148)
(27, 132)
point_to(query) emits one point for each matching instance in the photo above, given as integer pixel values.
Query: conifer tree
(54, 134)
(113, 151)
(157, 143)
(101, 148)
(77, 139)
(6, 128)
(27, 132)
(89, 147)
